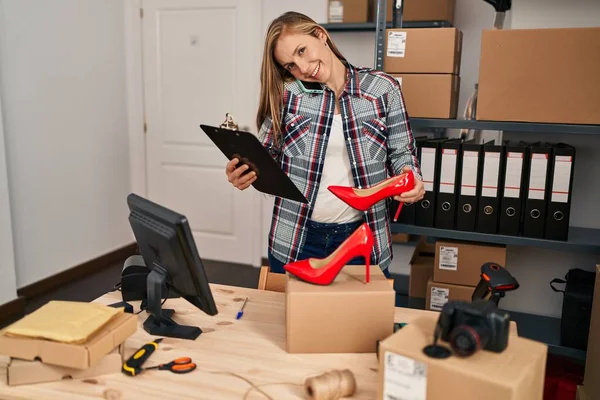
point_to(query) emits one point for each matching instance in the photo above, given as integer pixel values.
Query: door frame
(138, 182)
(7, 249)
(135, 96)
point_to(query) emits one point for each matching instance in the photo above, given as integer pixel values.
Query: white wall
(534, 268)
(8, 282)
(63, 93)
(533, 14)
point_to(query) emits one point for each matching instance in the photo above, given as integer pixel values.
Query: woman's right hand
(237, 176)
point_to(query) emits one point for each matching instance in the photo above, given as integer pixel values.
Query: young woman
(328, 123)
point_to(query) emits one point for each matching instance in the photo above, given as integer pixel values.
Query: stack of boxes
(421, 268)
(28, 360)
(457, 270)
(449, 270)
(426, 63)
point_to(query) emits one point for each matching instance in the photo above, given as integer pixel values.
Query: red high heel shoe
(322, 271)
(363, 199)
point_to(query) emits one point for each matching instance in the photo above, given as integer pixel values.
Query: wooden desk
(252, 347)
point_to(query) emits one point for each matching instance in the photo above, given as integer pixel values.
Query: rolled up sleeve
(402, 149)
(267, 138)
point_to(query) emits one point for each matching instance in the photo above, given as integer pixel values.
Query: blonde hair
(272, 75)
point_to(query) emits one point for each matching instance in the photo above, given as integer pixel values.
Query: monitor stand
(159, 323)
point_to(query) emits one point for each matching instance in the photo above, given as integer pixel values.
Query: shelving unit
(433, 123)
(581, 240)
(372, 26)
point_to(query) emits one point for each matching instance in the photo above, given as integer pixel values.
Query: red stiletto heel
(322, 271)
(400, 204)
(363, 199)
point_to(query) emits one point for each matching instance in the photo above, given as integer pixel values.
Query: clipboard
(249, 150)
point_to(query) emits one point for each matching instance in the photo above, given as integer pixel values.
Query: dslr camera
(469, 327)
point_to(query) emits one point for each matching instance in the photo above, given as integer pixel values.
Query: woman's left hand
(414, 195)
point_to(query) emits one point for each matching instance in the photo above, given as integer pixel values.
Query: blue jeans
(321, 240)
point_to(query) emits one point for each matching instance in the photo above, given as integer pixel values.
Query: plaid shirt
(378, 139)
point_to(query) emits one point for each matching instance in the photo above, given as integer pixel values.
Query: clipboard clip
(229, 123)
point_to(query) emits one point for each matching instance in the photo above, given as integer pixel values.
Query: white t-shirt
(336, 171)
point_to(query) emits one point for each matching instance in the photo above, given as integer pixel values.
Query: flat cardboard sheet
(64, 321)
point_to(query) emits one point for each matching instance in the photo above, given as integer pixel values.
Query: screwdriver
(133, 366)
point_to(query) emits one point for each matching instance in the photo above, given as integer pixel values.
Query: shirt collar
(352, 86)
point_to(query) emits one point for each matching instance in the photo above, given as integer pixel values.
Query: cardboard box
(348, 316)
(79, 356)
(592, 361)
(420, 10)
(460, 262)
(581, 395)
(430, 95)
(400, 237)
(348, 11)
(421, 271)
(405, 372)
(423, 51)
(540, 75)
(14, 372)
(426, 246)
(439, 294)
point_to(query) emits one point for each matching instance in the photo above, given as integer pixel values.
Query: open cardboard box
(79, 356)
(14, 371)
(405, 372)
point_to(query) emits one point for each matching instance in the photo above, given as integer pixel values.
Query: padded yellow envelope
(64, 321)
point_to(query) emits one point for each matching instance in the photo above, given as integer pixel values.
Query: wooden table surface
(252, 347)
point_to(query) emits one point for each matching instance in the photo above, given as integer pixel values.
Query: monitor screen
(168, 248)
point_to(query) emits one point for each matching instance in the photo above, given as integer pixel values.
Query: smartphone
(244, 161)
(311, 87)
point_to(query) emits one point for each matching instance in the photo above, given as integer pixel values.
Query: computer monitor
(166, 243)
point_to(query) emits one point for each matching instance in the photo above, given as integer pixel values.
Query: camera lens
(466, 340)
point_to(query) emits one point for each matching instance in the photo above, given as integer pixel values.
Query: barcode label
(448, 258)
(396, 44)
(403, 378)
(438, 298)
(336, 11)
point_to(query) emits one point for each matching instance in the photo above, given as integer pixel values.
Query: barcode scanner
(495, 281)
